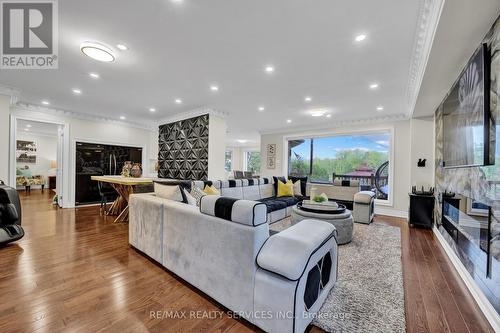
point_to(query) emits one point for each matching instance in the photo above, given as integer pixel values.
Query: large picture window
(252, 161)
(364, 157)
(228, 163)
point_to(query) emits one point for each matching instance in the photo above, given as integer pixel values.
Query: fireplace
(468, 222)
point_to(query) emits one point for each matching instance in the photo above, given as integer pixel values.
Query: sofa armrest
(288, 253)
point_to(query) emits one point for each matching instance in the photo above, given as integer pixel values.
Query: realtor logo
(29, 34)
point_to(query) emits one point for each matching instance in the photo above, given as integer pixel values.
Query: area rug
(369, 295)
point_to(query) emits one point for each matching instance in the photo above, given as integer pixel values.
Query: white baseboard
(488, 310)
(389, 211)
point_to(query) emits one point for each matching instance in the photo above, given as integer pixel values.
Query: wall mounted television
(466, 116)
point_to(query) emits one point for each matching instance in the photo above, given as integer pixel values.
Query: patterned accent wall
(183, 149)
(479, 183)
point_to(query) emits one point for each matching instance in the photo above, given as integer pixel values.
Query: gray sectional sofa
(224, 248)
(259, 189)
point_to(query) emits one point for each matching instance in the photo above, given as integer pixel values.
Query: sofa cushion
(303, 183)
(185, 184)
(197, 193)
(275, 182)
(273, 204)
(289, 201)
(240, 211)
(285, 189)
(170, 192)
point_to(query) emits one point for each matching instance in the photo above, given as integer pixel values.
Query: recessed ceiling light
(328, 115)
(29, 126)
(214, 88)
(77, 91)
(318, 113)
(307, 99)
(97, 51)
(178, 101)
(380, 108)
(289, 121)
(122, 47)
(261, 108)
(374, 86)
(360, 38)
(122, 117)
(152, 110)
(26, 129)
(242, 141)
(269, 69)
(45, 102)
(94, 75)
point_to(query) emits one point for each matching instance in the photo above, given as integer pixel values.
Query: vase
(126, 169)
(136, 170)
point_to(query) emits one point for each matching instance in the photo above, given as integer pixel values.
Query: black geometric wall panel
(183, 149)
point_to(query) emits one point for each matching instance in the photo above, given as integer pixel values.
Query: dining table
(124, 186)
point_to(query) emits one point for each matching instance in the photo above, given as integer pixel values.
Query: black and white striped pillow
(197, 193)
(246, 212)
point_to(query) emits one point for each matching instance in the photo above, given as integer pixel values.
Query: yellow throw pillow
(285, 190)
(211, 190)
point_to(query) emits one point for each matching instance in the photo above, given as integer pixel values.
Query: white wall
(46, 152)
(422, 146)
(217, 129)
(99, 131)
(401, 168)
(4, 137)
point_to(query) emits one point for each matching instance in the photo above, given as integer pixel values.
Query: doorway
(37, 158)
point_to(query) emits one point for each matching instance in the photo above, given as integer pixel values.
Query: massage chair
(10, 215)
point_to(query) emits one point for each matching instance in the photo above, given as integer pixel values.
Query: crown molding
(81, 116)
(13, 93)
(191, 114)
(427, 22)
(341, 123)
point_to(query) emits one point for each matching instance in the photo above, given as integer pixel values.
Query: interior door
(59, 173)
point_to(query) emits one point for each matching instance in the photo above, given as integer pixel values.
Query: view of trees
(253, 161)
(344, 162)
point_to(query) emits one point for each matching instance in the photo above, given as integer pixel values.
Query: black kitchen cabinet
(94, 159)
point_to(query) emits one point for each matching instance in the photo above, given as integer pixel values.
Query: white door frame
(63, 165)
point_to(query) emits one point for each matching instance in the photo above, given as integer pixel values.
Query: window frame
(336, 132)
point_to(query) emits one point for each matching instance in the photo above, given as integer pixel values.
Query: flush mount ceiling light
(214, 87)
(29, 126)
(178, 101)
(77, 91)
(122, 47)
(44, 103)
(261, 108)
(360, 38)
(152, 110)
(94, 75)
(97, 51)
(122, 117)
(307, 99)
(26, 129)
(318, 113)
(269, 69)
(374, 86)
(242, 141)
(380, 108)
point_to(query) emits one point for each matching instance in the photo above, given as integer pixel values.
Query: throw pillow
(275, 185)
(170, 192)
(190, 199)
(285, 190)
(303, 183)
(197, 194)
(297, 188)
(211, 190)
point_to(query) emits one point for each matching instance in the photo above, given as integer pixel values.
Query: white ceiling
(462, 27)
(178, 49)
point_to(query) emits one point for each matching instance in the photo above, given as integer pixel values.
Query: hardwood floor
(74, 271)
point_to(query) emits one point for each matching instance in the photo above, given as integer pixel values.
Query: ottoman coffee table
(341, 218)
